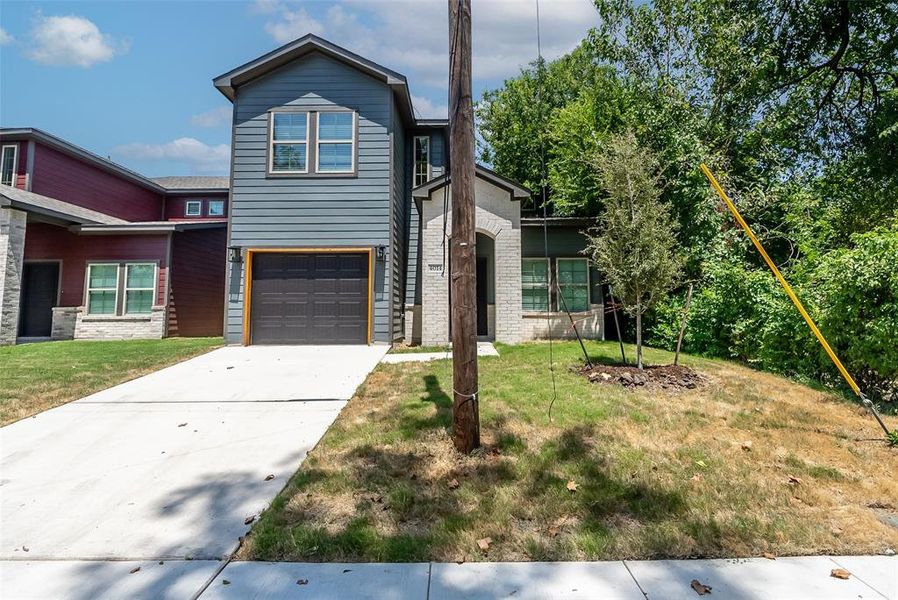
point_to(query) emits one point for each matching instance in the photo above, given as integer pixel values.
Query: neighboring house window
(140, 286)
(8, 164)
(194, 208)
(422, 159)
(336, 142)
(102, 289)
(535, 284)
(573, 281)
(216, 208)
(289, 142)
(134, 282)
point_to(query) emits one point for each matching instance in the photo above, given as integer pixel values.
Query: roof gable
(517, 191)
(227, 83)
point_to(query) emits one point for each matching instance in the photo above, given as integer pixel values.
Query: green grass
(36, 377)
(418, 349)
(658, 474)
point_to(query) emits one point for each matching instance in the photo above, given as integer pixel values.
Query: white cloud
(292, 24)
(5, 38)
(212, 118)
(71, 41)
(411, 36)
(201, 157)
(425, 108)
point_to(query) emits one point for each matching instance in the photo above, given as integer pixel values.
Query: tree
(635, 242)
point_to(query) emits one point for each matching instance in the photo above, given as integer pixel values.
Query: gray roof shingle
(194, 182)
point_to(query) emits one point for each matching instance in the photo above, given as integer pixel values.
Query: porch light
(381, 252)
(235, 254)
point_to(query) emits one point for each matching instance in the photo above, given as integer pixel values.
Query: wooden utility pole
(462, 254)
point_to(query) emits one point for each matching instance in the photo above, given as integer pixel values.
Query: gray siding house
(336, 228)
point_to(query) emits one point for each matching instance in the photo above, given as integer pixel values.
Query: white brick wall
(497, 216)
(108, 327)
(590, 325)
(12, 255)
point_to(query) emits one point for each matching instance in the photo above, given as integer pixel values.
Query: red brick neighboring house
(92, 250)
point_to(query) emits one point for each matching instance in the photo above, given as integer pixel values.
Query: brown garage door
(309, 298)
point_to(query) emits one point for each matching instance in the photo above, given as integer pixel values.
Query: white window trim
(272, 142)
(90, 289)
(127, 289)
(199, 210)
(427, 175)
(587, 285)
(209, 208)
(15, 162)
(351, 140)
(547, 287)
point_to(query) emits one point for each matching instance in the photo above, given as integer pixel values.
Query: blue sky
(132, 79)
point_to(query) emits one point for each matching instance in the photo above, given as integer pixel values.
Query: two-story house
(339, 208)
(92, 250)
(337, 216)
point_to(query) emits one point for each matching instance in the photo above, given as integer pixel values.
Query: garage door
(309, 298)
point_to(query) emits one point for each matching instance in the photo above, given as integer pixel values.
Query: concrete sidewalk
(872, 577)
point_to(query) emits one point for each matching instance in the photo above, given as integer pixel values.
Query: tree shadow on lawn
(419, 500)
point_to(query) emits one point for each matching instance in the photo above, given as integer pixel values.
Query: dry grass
(750, 463)
(37, 377)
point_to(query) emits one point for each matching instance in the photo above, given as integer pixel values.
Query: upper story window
(314, 142)
(422, 159)
(193, 208)
(289, 142)
(8, 164)
(336, 142)
(215, 208)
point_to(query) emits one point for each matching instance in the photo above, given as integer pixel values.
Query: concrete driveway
(168, 466)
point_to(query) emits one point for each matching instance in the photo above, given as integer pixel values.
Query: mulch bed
(666, 377)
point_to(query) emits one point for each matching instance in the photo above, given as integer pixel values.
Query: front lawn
(752, 463)
(35, 377)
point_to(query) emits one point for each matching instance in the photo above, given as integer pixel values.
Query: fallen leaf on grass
(700, 588)
(453, 484)
(572, 485)
(484, 543)
(769, 556)
(701, 463)
(839, 574)
(249, 519)
(302, 582)
(746, 445)
(135, 570)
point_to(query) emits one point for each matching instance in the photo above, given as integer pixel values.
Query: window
(422, 159)
(140, 287)
(336, 141)
(216, 208)
(573, 282)
(102, 289)
(535, 284)
(289, 142)
(8, 164)
(107, 282)
(193, 208)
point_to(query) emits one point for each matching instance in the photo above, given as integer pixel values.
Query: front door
(482, 321)
(40, 288)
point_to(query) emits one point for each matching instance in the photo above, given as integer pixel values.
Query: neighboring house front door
(40, 290)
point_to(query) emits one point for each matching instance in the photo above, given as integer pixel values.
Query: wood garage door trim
(248, 279)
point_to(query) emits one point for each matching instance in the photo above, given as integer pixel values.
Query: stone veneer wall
(591, 325)
(12, 256)
(64, 318)
(109, 327)
(497, 216)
